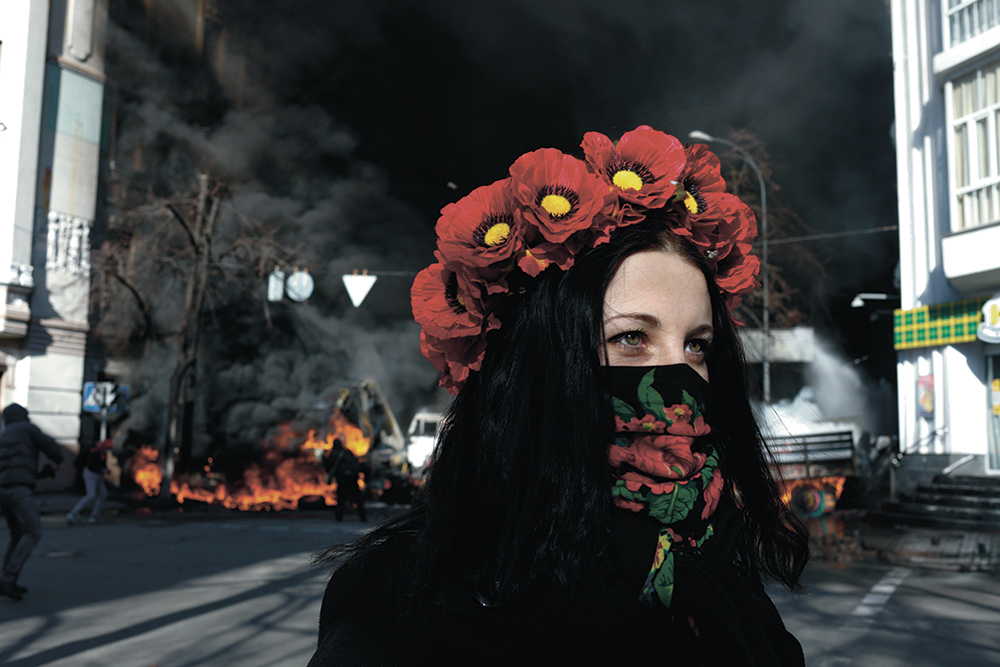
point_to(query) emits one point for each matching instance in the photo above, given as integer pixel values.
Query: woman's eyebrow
(704, 329)
(645, 318)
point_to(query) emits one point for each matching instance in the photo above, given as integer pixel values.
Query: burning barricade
(291, 466)
(290, 470)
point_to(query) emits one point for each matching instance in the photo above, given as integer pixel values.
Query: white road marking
(872, 603)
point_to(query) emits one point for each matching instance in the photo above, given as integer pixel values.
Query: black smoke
(348, 125)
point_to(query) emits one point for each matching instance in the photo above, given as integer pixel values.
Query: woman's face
(657, 312)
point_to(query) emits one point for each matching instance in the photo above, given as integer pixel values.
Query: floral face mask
(665, 461)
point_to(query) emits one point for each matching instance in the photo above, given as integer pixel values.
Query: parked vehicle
(421, 437)
(814, 469)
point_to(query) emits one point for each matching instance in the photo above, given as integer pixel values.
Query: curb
(853, 536)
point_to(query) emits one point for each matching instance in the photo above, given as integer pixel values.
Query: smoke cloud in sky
(342, 123)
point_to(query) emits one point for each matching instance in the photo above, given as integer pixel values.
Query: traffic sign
(358, 286)
(99, 396)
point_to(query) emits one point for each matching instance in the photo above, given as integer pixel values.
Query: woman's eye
(631, 339)
(697, 346)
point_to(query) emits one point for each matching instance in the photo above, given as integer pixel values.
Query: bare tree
(795, 270)
(159, 269)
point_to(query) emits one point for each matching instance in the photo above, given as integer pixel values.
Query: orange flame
(832, 486)
(339, 428)
(290, 471)
(145, 468)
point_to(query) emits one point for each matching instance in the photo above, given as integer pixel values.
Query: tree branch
(140, 302)
(180, 218)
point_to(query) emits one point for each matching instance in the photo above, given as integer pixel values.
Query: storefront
(949, 384)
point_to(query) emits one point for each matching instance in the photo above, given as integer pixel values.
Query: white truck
(421, 437)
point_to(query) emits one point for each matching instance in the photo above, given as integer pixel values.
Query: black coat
(20, 443)
(363, 623)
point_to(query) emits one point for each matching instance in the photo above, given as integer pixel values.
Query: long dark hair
(518, 500)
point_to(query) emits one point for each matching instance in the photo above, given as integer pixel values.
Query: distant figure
(20, 442)
(344, 467)
(95, 466)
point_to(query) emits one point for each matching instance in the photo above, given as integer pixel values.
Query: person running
(20, 443)
(95, 466)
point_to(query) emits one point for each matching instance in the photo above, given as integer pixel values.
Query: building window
(967, 18)
(975, 109)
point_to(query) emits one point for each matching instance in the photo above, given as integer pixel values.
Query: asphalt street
(858, 614)
(226, 588)
(174, 592)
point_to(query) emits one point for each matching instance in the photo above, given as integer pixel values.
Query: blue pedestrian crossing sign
(98, 396)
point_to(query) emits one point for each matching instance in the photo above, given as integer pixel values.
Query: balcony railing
(968, 18)
(977, 206)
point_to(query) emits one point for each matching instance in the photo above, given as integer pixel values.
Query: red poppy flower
(642, 168)
(724, 224)
(557, 194)
(536, 258)
(446, 304)
(480, 230)
(663, 456)
(737, 276)
(634, 481)
(712, 494)
(691, 429)
(680, 412)
(631, 505)
(455, 357)
(701, 175)
(646, 424)
(614, 216)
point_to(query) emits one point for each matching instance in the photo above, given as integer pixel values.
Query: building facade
(51, 101)
(946, 56)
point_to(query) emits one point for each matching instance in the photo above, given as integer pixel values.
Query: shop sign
(989, 328)
(925, 396)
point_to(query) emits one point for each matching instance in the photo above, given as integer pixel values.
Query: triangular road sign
(358, 287)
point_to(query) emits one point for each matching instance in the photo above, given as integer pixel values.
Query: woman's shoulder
(360, 604)
(367, 575)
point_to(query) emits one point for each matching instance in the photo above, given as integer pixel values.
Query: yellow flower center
(690, 202)
(627, 180)
(497, 234)
(556, 205)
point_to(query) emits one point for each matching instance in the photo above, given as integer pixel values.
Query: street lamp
(859, 299)
(698, 135)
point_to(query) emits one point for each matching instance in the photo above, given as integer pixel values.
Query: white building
(51, 99)
(947, 99)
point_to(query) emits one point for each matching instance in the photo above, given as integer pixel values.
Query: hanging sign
(358, 286)
(276, 286)
(925, 396)
(299, 286)
(989, 328)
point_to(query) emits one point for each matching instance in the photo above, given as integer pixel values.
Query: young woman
(600, 491)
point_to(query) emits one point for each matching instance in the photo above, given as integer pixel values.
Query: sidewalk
(854, 536)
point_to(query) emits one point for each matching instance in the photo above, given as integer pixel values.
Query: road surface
(238, 589)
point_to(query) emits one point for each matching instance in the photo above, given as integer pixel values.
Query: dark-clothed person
(343, 466)
(20, 443)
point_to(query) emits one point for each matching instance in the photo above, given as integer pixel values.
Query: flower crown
(554, 206)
